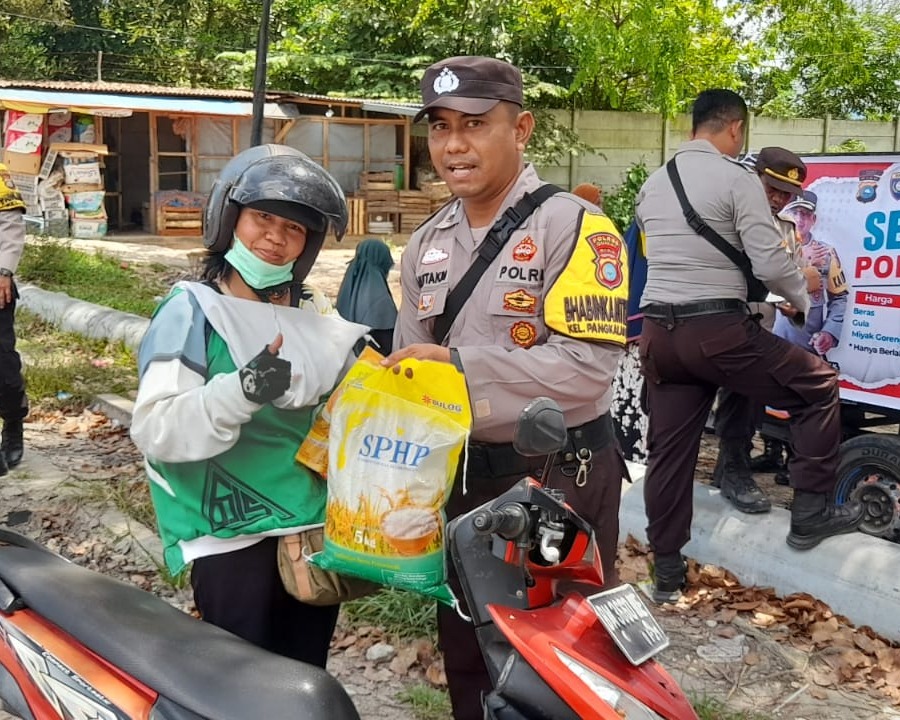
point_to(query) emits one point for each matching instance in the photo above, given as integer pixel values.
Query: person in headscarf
(364, 296)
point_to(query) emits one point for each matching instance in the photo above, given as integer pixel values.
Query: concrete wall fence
(625, 138)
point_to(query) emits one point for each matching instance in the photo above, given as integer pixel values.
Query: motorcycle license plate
(630, 623)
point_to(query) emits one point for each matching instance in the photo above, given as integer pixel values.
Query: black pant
(242, 592)
(684, 363)
(597, 502)
(13, 401)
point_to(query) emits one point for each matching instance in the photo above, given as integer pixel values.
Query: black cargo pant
(684, 361)
(242, 592)
(13, 401)
(738, 416)
(492, 470)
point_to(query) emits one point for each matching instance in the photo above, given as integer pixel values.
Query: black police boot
(668, 578)
(736, 480)
(12, 445)
(772, 458)
(814, 518)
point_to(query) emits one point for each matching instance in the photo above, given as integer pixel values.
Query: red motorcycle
(557, 644)
(77, 645)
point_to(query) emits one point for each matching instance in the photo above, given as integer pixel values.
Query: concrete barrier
(88, 319)
(857, 575)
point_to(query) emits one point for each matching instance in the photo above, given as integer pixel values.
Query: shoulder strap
(494, 241)
(699, 226)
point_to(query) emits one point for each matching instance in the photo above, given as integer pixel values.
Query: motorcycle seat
(193, 664)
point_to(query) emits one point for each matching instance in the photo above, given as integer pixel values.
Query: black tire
(873, 459)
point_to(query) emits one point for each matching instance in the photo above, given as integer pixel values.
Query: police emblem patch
(434, 255)
(609, 254)
(523, 334)
(519, 301)
(426, 302)
(525, 250)
(446, 81)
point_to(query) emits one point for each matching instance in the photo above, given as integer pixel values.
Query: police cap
(781, 169)
(469, 84)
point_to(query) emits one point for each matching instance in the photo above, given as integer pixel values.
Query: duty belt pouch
(756, 291)
(493, 243)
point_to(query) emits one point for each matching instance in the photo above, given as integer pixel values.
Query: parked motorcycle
(77, 645)
(557, 643)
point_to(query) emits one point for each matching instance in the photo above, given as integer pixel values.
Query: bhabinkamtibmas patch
(589, 300)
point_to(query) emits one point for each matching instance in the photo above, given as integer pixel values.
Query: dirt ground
(714, 652)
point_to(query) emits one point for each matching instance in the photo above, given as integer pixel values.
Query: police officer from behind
(782, 174)
(546, 318)
(13, 400)
(698, 335)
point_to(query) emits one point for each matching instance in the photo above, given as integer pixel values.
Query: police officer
(782, 174)
(828, 302)
(546, 318)
(13, 400)
(698, 335)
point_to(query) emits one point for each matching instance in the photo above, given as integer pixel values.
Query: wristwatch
(4, 272)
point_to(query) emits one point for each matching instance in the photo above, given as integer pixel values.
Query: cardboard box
(24, 163)
(56, 214)
(25, 183)
(88, 229)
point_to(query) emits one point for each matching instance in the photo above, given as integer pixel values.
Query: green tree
(827, 57)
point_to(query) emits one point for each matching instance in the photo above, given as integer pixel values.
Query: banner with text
(857, 213)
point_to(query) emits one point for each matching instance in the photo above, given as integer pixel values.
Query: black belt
(697, 309)
(499, 459)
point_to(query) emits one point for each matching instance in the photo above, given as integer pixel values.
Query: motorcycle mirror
(540, 429)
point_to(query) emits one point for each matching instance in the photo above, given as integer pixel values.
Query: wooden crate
(382, 201)
(383, 180)
(414, 202)
(185, 222)
(410, 221)
(356, 207)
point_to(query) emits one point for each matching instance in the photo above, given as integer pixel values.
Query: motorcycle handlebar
(509, 522)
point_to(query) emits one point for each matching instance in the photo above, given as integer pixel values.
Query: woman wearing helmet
(231, 371)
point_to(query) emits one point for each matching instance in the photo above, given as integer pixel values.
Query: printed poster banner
(854, 229)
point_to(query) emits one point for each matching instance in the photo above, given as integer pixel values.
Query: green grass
(96, 278)
(404, 615)
(426, 702)
(711, 709)
(59, 364)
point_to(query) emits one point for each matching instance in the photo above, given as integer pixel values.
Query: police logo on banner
(895, 185)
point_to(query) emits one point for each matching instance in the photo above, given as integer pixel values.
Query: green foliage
(96, 278)
(553, 142)
(850, 145)
(427, 703)
(402, 614)
(619, 204)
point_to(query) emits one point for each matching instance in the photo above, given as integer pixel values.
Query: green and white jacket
(221, 467)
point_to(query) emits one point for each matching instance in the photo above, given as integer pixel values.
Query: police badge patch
(608, 255)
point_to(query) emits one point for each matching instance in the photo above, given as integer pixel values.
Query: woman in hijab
(364, 296)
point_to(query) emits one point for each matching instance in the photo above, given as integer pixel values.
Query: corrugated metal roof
(115, 88)
(131, 89)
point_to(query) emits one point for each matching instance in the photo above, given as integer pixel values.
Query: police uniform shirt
(12, 222)
(508, 353)
(683, 267)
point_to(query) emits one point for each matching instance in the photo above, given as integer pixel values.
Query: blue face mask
(257, 273)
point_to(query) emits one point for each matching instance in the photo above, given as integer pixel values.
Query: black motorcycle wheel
(869, 471)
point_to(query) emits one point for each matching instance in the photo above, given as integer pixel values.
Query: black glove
(265, 377)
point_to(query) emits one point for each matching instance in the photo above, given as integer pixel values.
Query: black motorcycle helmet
(283, 181)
